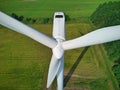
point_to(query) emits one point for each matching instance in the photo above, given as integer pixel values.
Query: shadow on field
(68, 76)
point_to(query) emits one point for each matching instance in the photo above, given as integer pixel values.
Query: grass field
(46, 8)
(24, 63)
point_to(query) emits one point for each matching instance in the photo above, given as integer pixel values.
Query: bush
(20, 18)
(44, 20)
(67, 18)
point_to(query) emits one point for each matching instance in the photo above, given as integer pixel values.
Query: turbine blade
(17, 26)
(99, 36)
(60, 75)
(53, 70)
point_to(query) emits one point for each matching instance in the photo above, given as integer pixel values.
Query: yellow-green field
(24, 63)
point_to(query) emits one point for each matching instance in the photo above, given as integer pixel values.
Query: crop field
(24, 63)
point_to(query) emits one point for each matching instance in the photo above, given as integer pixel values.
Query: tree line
(108, 14)
(35, 20)
(31, 20)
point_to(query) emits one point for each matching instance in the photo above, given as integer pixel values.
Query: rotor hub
(58, 50)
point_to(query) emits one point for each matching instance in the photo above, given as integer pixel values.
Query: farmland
(46, 8)
(24, 63)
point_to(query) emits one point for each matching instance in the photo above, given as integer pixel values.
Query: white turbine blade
(17, 26)
(99, 36)
(53, 70)
(60, 75)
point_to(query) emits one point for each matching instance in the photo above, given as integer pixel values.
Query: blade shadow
(69, 74)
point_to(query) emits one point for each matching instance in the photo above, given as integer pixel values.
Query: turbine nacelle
(58, 33)
(59, 26)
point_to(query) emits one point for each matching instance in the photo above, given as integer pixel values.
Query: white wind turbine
(58, 43)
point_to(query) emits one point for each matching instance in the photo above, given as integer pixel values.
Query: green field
(24, 63)
(46, 8)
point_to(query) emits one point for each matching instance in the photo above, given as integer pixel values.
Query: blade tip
(48, 85)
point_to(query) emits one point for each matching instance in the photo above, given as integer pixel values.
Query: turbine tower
(58, 44)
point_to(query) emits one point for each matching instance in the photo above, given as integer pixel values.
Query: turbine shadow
(68, 76)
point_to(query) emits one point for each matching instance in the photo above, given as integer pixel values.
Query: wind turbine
(58, 44)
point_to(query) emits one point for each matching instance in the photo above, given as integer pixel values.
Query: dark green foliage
(98, 84)
(113, 51)
(116, 70)
(36, 20)
(44, 20)
(28, 19)
(20, 18)
(14, 15)
(67, 18)
(108, 14)
(31, 20)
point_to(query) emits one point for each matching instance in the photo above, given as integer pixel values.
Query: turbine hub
(58, 50)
